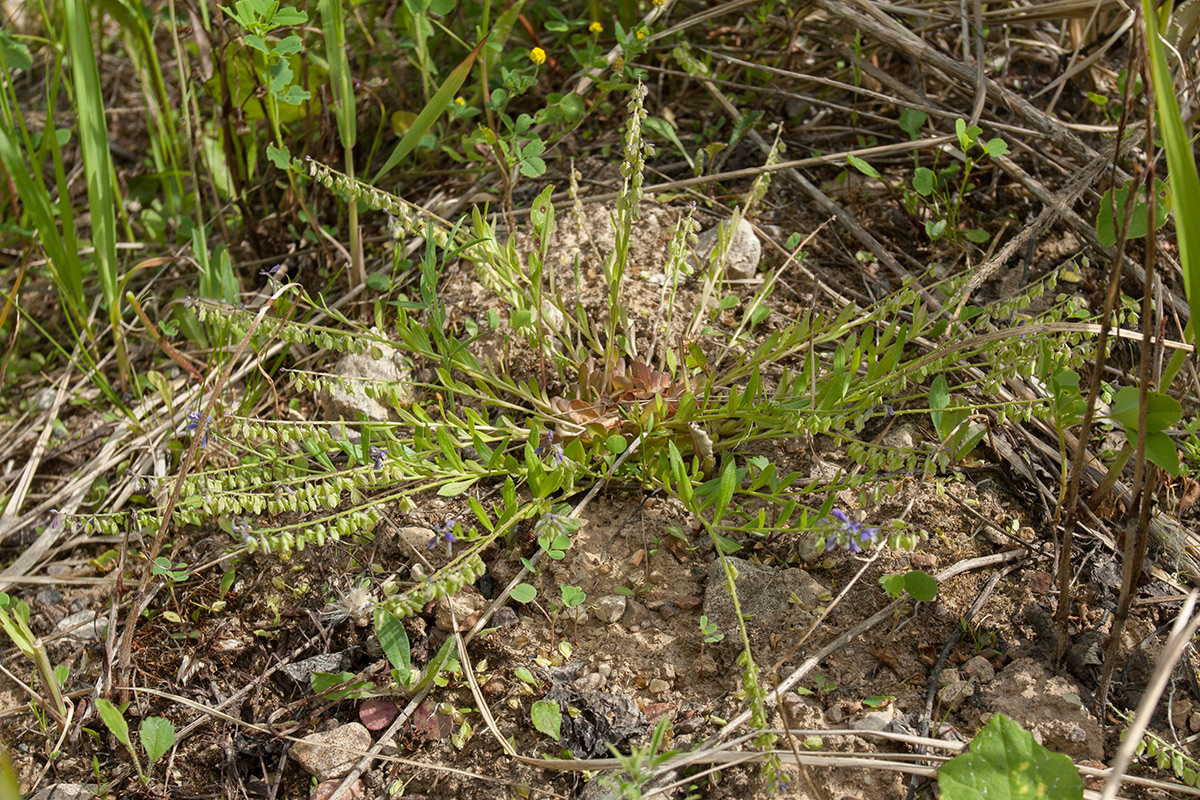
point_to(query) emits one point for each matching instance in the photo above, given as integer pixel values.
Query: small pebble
(658, 686)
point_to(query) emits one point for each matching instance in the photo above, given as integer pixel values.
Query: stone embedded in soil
(766, 596)
(610, 608)
(635, 613)
(301, 671)
(659, 687)
(466, 602)
(1048, 707)
(83, 626)
(322, 755)
(417, 536)
(875, 720)
(325, 790)
(980, 668)
(67, 791)
(377, 713)
(361, 370)
(742, 255)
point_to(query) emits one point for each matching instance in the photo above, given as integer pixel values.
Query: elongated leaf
(97, 156)
(433, 109)
(393, 638)
(1181, 163)
(725, 491)
(333, 23)
(114, 720)
(939, 399)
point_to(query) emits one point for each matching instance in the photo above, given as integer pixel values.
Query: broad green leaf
(923, 181)
(1005, 763)
(523, 593)
(547, 718)
(939, 399)
(393, 639)
(1162, 411)
(433, 109)
(920, 585)
(1160, 450)
(157, 735)
(456, 488)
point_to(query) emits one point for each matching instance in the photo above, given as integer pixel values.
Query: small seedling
(157, 734)
(709, 631)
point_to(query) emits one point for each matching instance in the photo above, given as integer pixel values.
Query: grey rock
(67, 791)
(325, 755)
(610, 608)
(659, 687)
(981, 668)
(466, 602)
(875, 720)
(83, 626)
(301, 671)
(635, 613)
(362, 371)
(1047, 706)
(417, 536)
(742, 255)
(771, 599)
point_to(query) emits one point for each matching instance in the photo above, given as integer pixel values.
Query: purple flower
(273, 275)
(847, 533)
(378, 456)
(54, 518)
(199, 423)
(446, 532)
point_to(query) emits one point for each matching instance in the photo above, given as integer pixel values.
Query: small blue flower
(378, 456)
(551, 523)
(553, 449)
(847, 533)
(54, 518)
(273, 275)
(445, 532)
(199, 423)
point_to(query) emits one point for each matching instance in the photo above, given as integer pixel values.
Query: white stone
(326, 755)
(742, 255)
(610, 608)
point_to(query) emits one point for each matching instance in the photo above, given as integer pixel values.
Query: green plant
(547, 718)
(640, 765)
(156, 734)
(943, 190)
(14, 620)
(1005, 761)
(708, 632)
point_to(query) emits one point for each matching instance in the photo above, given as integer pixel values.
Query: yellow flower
(596, 27)
(458, 101)
(642, 33)
(537, 55)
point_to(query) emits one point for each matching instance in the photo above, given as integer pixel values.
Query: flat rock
(83, 626)
(361, 371)
(742, 255)
(772, 599)
(301, 671)
(67, 791)
(610, 608)
(322, 755)
(1048, 706)
(466, 602)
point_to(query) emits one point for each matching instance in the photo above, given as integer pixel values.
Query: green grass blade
(433, 109)
(1181, 164)
(333, 23)
(97, 158)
